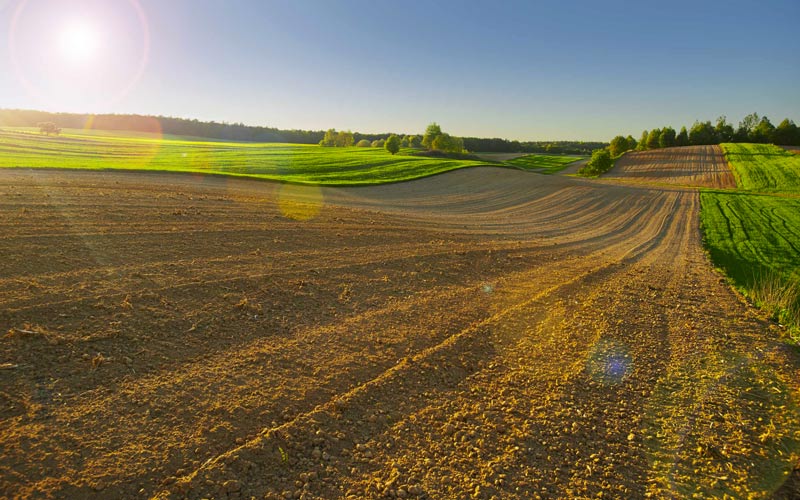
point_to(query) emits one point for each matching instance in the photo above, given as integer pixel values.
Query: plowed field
(485, 333)
(703, 166)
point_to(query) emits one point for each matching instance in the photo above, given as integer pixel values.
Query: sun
(79, 42)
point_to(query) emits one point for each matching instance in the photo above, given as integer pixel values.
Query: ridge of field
(481, 333)
(544, 164)
(764, 167)
(698, 166)
(295, 163)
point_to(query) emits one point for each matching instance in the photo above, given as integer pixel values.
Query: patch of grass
(763, 167)
(297, 163)
(755, 239)
(544, 164)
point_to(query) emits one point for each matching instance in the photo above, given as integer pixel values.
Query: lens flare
(300, 203)
(63, 54)
(79, 42)
(609, 361)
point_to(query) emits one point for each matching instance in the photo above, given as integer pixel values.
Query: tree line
(752, 128)
(497, 145)
(242, 132)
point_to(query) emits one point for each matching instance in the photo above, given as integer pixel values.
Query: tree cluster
(334, 139)
(751, 129)
(436, 140)
(496, 145)
(620, 144)
(48, 128)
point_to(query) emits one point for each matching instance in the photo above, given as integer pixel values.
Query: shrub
(363, 143)
(600, 163)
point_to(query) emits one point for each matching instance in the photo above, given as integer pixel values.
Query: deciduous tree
(448, 143)
(652, 138)
(667, 137)
(682, 139)
(619, 145)
(724, 130)
(392, 144)
(643, 140)
(48, 128)
(702, 133)
(763, 131)
(786, 134)
(329, 140)
(431, 133)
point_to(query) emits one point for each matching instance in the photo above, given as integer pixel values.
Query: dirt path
(484, 333)
(702, 166)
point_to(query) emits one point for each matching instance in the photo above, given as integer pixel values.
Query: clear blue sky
(522, 70)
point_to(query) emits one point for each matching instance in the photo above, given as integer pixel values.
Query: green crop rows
(763, 167)
(545, 164)
(753, 233)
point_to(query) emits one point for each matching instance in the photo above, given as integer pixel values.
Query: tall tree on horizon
(682, 139)
(667, 137)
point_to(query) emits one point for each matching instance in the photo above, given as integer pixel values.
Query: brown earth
(486, 333)
(703, 166)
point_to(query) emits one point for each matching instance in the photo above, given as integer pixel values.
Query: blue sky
(522, 70)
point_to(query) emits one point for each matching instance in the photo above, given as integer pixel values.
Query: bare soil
(702, 166)
(485, 333)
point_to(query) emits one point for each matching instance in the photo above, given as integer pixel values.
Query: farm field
(702, 166)
(751, 234)
(756, 238)
(764, 167)
(545, 164)
(296, 163)
(481, 333)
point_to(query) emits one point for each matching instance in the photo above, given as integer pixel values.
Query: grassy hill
(298, 163)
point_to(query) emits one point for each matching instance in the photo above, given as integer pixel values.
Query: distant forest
(242, 132)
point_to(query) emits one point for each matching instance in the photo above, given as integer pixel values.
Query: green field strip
(297, 163)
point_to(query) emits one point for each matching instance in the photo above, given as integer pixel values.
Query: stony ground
(486, 333)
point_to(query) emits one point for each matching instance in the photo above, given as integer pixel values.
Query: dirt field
(703, 166)
(485, 333)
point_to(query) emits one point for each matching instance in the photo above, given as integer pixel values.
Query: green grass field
(544, 164)
(753, 233)
(298, 163)
(764, 167)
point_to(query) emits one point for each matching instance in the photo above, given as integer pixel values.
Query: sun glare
(79, 42)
